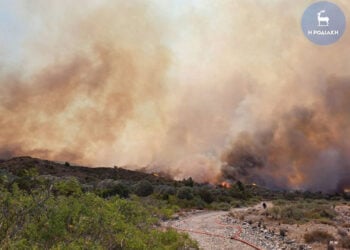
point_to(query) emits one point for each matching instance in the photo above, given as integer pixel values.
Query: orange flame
(225, 184)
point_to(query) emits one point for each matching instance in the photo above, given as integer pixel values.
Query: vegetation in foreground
(56, 206)
(42, 219)
(303, 210)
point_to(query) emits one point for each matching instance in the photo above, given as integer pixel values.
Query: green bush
(143, 188)
(165, 191)
(220, 206)
(118, 189)
(31, 172)
(27, 179)
(301, 211)
(206, 195)
(44, 221)
(185, 193)
(67, 187)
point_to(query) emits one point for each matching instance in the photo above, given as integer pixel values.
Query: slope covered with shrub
(61, 216)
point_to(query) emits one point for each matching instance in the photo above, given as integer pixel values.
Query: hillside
(84, 174)
(52, 205)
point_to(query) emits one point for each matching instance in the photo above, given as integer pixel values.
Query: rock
(289, 241)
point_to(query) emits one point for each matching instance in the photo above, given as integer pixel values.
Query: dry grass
(318, 236)
(345, 242)
(302, 212)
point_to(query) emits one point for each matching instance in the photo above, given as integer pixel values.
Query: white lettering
(323, 32)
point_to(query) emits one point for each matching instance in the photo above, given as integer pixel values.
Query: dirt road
(251, 228)
(210, 230)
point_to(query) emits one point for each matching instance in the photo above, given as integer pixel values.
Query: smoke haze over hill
(225, 89)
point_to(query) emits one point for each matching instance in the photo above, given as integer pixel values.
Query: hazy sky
(168, 84)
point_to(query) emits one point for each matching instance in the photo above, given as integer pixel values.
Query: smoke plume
(224, 89)
(303, 147)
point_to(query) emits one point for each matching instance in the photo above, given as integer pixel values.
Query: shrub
(318, 236)
(31, 172)
(44, 221)
(67, 187)
(143, 188)
(165, 191)
(302, 211)
(240, 186)
(188, 182)
(238, 191)
(27, 183)
(184, 193)
(220, 206)
(206, 195)
(6, 177)
(117, 189)
(199, 203)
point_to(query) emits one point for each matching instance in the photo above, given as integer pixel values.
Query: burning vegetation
(225, 184)
(301, 149)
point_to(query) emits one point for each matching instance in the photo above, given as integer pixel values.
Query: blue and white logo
(323, 23)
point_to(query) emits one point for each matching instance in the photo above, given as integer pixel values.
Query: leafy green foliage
(144, 188)
(185, 193)
(69, 186)
(42, 220)
(206, 195)
(106, 209)
(118, 189)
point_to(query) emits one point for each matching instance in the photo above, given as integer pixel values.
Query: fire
(225, 184)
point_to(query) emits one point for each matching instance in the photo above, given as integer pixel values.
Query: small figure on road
(264, 205)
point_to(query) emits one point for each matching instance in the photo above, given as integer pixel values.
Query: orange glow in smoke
(297, 178)
(225, 184)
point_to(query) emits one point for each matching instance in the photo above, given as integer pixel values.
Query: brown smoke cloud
(303, 148)
(92, 73)
(199, 89)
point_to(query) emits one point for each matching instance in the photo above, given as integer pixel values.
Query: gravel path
(210, 231)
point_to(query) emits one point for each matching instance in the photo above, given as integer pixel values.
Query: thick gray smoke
(192, 88)
(302, 148)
